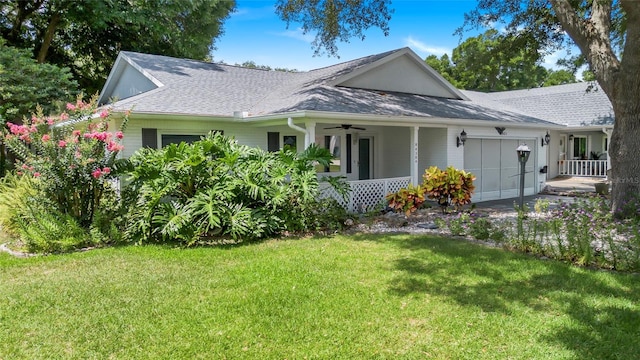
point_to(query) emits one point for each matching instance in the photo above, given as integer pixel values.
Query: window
(176, 139)
(580, 148)
(273, 141)
(290, 142)
(332, 143)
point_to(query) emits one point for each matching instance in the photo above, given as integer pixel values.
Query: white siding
(432, 148)
(397, 152)
(131, 83)
(245, 134)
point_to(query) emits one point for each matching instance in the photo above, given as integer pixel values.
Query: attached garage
(495, 164)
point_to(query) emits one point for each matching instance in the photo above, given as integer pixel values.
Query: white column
(310, 136)
(415, 146)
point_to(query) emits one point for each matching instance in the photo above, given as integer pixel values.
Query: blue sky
(255, 33)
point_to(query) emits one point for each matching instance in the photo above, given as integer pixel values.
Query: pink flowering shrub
(71, 156)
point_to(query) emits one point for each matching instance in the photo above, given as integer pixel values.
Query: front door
(365, 158)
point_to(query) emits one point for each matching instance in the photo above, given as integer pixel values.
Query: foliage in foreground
(216, 188)
(61, 196)
(584, 232)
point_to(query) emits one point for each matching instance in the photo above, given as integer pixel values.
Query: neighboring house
(386, 118)
(581, 147)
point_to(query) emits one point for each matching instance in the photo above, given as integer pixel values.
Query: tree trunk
(624, 149)
(48, 37)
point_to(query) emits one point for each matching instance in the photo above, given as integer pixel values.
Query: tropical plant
(216, 188)
(407, 199)
(448, 187)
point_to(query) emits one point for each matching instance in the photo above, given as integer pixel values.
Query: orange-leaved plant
(406, 200)
(448, 187)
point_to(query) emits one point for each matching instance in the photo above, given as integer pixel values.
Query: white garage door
(494, 162)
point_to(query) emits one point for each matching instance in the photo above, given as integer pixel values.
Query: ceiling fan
(346, 127)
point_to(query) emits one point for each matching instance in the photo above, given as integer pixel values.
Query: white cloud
(297, 34)
(425, 48)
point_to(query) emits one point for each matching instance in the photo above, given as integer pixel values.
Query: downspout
(300, 129)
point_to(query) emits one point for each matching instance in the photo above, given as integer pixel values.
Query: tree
(496, 62)
(334, 20)
(607, 32)
(25, 85)
(87, 35)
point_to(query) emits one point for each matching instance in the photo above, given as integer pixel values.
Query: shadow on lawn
(603, 307)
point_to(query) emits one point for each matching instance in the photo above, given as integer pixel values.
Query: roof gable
(402, 72)
(127, 79)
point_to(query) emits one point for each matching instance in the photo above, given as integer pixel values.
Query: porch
(366, 194)
(588, 168)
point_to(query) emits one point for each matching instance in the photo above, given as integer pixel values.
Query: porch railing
(366, 194)
(595, 168)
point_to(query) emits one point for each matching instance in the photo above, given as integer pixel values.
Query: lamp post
(523, 155)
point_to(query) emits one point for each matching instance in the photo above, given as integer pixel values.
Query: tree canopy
(87, 35)
(335, 20)
(25, 84)
(607, 32)
(496, 62)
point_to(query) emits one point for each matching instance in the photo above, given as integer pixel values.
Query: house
(386, 117)
(581, 147)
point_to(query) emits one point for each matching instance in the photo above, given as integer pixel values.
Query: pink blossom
(36, 174)
(63, 117)
(46, 137)
(70, 106)
(62, 143)
(106, 170)
(119, 134)
(104, 114)
(96, 173)
(76, 132)
(114, 146)
(24, 167)
(26, 138)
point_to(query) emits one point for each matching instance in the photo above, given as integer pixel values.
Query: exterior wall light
(546, 139)
(460, 140)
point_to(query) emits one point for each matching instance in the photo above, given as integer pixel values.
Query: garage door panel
(495, 164)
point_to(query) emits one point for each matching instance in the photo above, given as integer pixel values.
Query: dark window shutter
(273, 141)
(150, 138)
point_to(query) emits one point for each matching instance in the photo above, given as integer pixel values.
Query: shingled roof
(190, 87)
(574, 105)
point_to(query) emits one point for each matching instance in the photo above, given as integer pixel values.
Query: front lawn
(364, 296)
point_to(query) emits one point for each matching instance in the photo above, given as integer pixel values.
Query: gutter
(299, 129)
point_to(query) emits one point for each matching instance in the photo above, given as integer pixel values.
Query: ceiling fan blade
(333, 127)
(358, 128)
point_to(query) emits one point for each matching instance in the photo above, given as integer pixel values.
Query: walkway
(561, 188)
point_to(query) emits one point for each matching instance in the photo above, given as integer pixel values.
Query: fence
(366, 194)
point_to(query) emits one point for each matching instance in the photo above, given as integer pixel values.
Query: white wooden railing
(366, 194)
(595, 168)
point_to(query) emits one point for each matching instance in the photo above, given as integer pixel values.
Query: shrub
(480, 227)
(216, 188)
(406, 200)
(72, 166)
(448, 187)
(66, 164)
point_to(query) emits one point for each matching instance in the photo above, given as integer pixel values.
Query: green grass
(362, 297)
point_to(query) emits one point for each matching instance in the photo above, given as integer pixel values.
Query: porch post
(415, 146)
(310, 136)
(608, 132)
